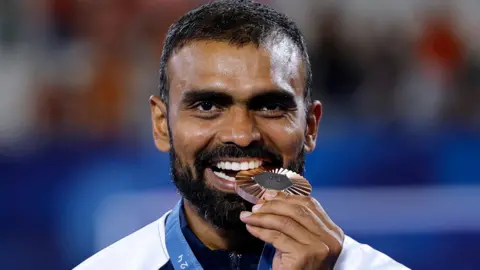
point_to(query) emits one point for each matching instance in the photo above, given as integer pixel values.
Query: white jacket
(145, 249)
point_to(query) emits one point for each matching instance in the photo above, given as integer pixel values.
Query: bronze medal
(252, 184)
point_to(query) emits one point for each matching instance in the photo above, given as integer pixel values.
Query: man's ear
(313, 120)
(161, 135)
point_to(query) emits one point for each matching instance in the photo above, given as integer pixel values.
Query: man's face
(232, 109)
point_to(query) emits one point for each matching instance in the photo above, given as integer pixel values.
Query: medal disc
(251, 185)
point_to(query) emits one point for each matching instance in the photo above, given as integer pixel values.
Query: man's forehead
(277, 62)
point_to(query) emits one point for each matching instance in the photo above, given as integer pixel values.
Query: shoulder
(142, 250)
(360, 256)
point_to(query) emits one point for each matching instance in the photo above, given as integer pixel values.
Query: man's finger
(279, 240)
(283, 224)
(300, 213)
(306, 201)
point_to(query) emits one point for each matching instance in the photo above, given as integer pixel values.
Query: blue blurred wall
(49, 199)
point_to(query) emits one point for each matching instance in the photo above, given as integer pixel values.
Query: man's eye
(206, 106)
(273, 110)
(271, 107)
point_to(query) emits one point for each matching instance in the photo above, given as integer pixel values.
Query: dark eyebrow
(213, 96)
(283, 97)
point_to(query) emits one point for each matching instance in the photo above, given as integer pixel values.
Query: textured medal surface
(252, 184)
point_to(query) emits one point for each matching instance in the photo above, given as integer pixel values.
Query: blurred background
(397, 164)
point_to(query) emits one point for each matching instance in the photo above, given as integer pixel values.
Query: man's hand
(297, 226)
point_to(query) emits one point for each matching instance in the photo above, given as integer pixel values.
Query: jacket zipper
(235, 261)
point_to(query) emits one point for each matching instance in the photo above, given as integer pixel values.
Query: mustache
(204, 158)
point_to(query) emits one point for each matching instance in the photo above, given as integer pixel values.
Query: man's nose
(239, 128)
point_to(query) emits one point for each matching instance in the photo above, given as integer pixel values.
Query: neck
(219, 239)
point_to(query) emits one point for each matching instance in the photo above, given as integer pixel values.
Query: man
(234, 94)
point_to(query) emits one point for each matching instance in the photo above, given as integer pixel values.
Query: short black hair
(238, 22)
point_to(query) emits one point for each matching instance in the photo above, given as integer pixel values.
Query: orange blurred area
(93, 53)
(110, 35)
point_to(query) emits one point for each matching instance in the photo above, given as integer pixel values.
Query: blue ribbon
(182, 257)
(266, 260)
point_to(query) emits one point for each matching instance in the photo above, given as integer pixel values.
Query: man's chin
(221, 209)
(225, 212)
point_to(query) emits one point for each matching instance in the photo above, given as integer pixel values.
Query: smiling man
(235, 95)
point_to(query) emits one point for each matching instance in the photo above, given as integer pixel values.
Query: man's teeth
(238, 166)
(224, 176)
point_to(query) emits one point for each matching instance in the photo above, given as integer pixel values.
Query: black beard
(221, 209)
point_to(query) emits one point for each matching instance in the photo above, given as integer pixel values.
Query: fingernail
(245, 214)
(256, 207)
(270, 194)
